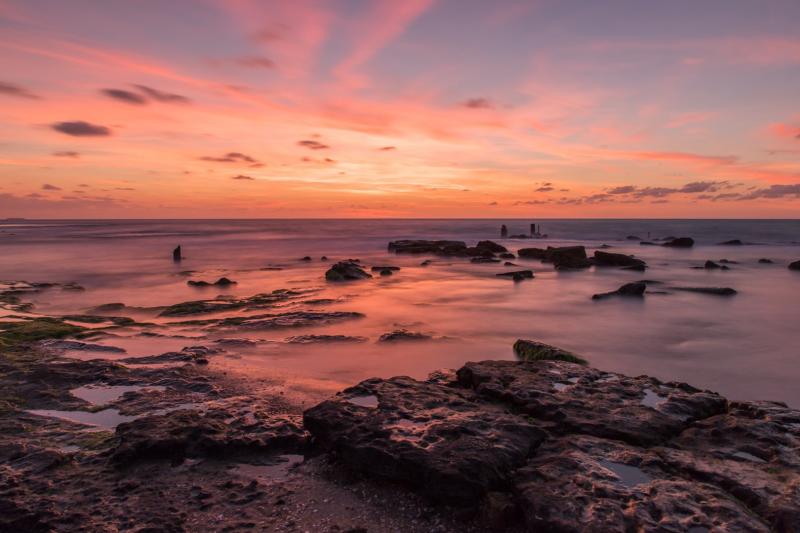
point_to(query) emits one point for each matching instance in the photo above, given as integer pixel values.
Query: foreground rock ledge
(564, 447)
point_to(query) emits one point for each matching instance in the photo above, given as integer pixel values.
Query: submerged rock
(323, 339)
(680, 242)
(346, 271)
(732, 242)
(794, 266)
(221, 282)
(403, 335)
(717, 291)
(527, 350)
(568, 257)
(382, 268)
(484, 260)
(711, 265)
(618, 260)
(428, 247)
(176, 254)
(765, 261)
(517, 275)
(635, 289)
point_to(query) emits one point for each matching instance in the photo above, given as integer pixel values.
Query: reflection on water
(743, 346)
(107, 418)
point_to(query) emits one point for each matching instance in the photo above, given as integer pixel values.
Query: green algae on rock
(538, 351)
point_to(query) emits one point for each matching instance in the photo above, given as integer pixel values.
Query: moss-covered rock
(538, 351)
(15, 333)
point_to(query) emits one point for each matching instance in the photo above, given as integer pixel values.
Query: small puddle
(107, 418)
(630, 476)
(102, 394)
(370, 401)
(277, 471)
(748, 457)
(651, 399)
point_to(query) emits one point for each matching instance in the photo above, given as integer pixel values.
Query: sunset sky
(399, 108)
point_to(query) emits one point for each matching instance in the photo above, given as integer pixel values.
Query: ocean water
(746, 346)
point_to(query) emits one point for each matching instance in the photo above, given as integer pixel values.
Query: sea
(746, 346)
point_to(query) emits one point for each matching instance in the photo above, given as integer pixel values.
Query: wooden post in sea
(533, 230)
(176, 254)
(503, 231)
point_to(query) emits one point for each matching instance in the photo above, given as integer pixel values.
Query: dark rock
(386, 272)
(717, 291)
(521, 274)
(568, 257)
(765, 261)
(176, 254)
(323, 339)
(532, 253)
(728, 262)
(380, 268)
(346, 271)
(432, 437)
(428, 247)
(635, 289)
(527, 350)
(503, 231)
(305, 258)
(711, 265)
(633, 238)
(323, 258)
(484, 260)
(732, 242)
(257, 301)
(605, 246)
(229, 428)
(794, 266)
(293, 319)
(221, 282)
(636, 268)
(521, 236)
(506, 255)
(648, 243)
(680, 242)
(509, 264)
(491, 247)
(403, 335)
(426, 263)
(617, 260)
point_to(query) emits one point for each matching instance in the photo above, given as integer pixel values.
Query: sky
(387, 108)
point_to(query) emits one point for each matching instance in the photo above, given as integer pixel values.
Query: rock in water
(620, 260)
(635, 289)
(538, 351)
(732, 242)
(765, 261)
(794, 266)
(403, 335)
(346, 271)
(568, 257)
(382, 268)
(491, 247)
(176, 254)
(221, 282)
(680, 242)
(428, 247)
(517, 274)
(503, 231)
(711, 265)
(717, 291)
(532, 253)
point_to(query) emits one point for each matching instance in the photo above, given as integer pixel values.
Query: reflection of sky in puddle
(276, 471)
(107, 418)
(651, 399)
(364, 401)
(101, 394)
(630, 476)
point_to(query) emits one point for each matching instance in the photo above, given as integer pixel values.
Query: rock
(323, 258)
(509, 264)
(521, 236)
(636, 268)
(517, 275)
(648, 243)
(568, 257)
(503, 231)
(794, 266)
(618, 260)
(323, 339)
(718, 291)
(680, 242)
(728, 262)
(305, 258)
(605, 246)
(428, 247)
(633, 238)
(346, 271)
(491, 247)
(711, 265)
(426, 263)
(434, 438)
(527, 350)
(257, 301)
(635, 289)
(231, 428)
(72, 286)
(386, 272)
(484, 260)
(732, 242)
(381, 268)
(403, 335)
(293, 319)
(221, 282)
(765, 261)
(506, 255)
(176, 254)
(532, 253)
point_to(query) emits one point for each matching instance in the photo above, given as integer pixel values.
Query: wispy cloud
(81, 128)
